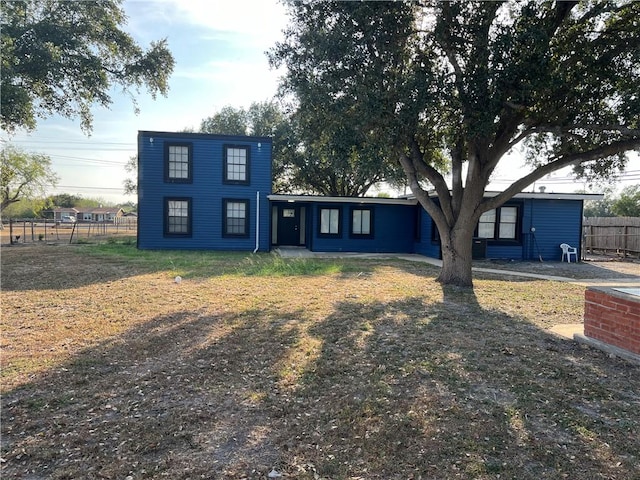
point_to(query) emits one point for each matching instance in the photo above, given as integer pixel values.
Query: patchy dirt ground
(113, 370)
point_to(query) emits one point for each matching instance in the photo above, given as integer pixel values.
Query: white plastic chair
(567, 251)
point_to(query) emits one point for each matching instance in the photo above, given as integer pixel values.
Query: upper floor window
(177, 218)
(236, 164)
(499, 224)
(361, 222)
(330, 221)
(235, 218)
(178, 162)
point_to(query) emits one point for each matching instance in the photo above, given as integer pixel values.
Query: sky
(219, 48)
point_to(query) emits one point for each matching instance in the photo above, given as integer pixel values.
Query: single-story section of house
(99, 214)
(65, 214)
(528, 226)
(202, 191)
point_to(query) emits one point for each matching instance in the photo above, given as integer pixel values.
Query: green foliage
(624, 204)
(598, 208)
(628, 203)
(62, 57)
(26, 208)
(228, 121)
(129, 207)
(24, 176)
(65, 200)
(307, 157)
(131, 184)
(457, 85)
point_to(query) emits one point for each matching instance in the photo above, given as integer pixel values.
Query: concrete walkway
(568, 331)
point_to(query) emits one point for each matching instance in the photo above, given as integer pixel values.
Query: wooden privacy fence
(619, 235)
(47, 230)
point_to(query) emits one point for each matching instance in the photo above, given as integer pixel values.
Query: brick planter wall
(612, 317)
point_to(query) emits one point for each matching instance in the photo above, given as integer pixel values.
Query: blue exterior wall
(393, 229)
(555, 222)
(206, 191)
(424, 244)
(397, 228)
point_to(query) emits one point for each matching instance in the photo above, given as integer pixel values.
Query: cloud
(253, 21)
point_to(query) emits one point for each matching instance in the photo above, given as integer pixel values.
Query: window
(508, 222)
(178, 162)
(487, 224)
(177, 217)
(499, 224)
(236, 218)
(329, 221)
(361, 222)
(236, 164)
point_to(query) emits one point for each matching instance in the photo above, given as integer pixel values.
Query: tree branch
(632, 132)
(564, 161)
(423, 197)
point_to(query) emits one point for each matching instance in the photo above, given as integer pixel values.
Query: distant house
(200, 191)
(99, 214)
(61, 214)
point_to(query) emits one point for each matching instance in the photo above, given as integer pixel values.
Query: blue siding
(206, 190)
(425, 245)
(556, 222)
(393, 227)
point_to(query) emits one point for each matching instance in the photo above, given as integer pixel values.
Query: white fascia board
(543, 196)
(553, 196)
(354, 200)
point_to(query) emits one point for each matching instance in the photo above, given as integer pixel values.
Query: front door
(289, 225)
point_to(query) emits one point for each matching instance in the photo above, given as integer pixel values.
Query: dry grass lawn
(319, 369)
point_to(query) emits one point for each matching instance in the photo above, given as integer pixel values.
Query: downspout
(257, 222)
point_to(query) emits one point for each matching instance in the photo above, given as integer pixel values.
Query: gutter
(257, 222)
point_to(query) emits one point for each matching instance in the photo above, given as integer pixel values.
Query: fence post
(624, 239)
(11, 231)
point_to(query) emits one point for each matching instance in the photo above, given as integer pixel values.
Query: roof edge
(244, 138)
(355, 200)
(539, 195)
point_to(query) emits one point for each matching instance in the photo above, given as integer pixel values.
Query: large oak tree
(559, 81)
(62, 57)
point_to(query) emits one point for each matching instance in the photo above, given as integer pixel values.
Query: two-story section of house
(203, 192)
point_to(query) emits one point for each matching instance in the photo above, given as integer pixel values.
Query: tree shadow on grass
(416, 387)
(445, 390)
(178, 397)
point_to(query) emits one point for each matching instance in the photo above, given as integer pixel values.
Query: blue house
(213, 192)
(203, 192)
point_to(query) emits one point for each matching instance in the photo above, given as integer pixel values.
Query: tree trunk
(456, 257)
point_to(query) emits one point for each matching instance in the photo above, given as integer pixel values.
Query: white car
(67, 219)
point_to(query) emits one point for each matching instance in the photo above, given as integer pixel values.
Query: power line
(74, 149)
(95, 160)
(75, 187)
(78, 142)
